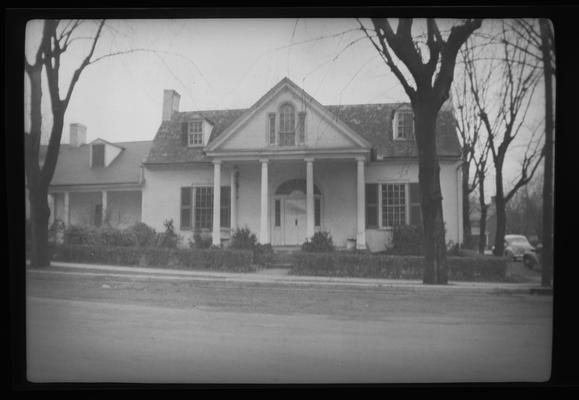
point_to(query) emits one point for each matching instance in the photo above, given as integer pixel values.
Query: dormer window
(98, 155)
(403, 125)
(195, 133)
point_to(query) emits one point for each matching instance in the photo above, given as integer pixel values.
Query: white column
(264, 225)
(361, 203)
(217, 203)
(104, 196)
(66, 209)
(310, 221)
(233, 192)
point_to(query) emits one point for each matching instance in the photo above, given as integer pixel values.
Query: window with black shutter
(371, 205)
(98, 155)
(414, 203)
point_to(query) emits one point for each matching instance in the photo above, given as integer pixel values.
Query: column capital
(217, 162)
(309, 159)
(363, 159)
(264, 160)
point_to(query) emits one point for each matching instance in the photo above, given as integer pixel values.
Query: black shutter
(184, 132)
(186, 208)
(225, 208)
(414, 202)
(371, 205)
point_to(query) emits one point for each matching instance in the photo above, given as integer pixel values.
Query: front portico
(289, 197)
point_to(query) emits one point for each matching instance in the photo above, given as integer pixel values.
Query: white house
(288, 166)
(285, 168)
(98, 182)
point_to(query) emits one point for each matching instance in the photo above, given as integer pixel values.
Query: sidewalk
(278, 277)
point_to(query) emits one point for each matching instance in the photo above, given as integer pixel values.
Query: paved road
(85, 328)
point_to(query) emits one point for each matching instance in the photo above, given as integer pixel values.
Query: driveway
(84, 328)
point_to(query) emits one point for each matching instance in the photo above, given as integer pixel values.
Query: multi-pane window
(197, 207)
(204, 207)
(195, 133)
(287, 125)
(393, 204)
(98, 155)
(271, 128)
(404, 124)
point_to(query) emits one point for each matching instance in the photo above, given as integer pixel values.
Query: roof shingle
(371, 121)
(73, 166)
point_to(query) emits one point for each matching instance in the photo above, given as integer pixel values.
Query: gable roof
(371, 122)
(73, 166)
(287, 83)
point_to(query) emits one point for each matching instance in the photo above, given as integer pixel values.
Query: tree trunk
(466, 228)
(435, 267)
(482, 237)
(500, 213)
(547, 261)
(39, 217)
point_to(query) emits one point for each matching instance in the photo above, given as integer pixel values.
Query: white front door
(295, 218)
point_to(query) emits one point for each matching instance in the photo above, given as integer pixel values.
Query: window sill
(194, 146)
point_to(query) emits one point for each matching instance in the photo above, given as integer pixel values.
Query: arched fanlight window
(287, 118)
(287, 125)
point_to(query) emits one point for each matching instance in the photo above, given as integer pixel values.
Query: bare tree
(503, 113)
(430, 89)
(469, 127)
(56, 38)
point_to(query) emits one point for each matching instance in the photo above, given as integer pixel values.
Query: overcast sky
(214, 64)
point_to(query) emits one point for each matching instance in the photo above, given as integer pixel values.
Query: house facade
(285, 168)
(288, 166)
(97, 183)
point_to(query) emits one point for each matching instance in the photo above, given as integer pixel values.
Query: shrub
(243, 239)
(407, 240)
(56, 232)
(200, 241)
(479, 268)
(144, 235)
(116, 237)
(81, 235)
(263, 255)
(218, 260)
(320, 242)
(168, 239)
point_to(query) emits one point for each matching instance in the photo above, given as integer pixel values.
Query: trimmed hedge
(212, 259)
(361, 265)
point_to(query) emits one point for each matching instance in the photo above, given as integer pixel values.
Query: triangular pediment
(323, 130)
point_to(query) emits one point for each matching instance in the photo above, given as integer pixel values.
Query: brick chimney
(77, 135)
(170, 103)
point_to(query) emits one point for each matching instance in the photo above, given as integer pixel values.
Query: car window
(517, 240)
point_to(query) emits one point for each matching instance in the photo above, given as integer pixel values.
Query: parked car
(516, 246)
